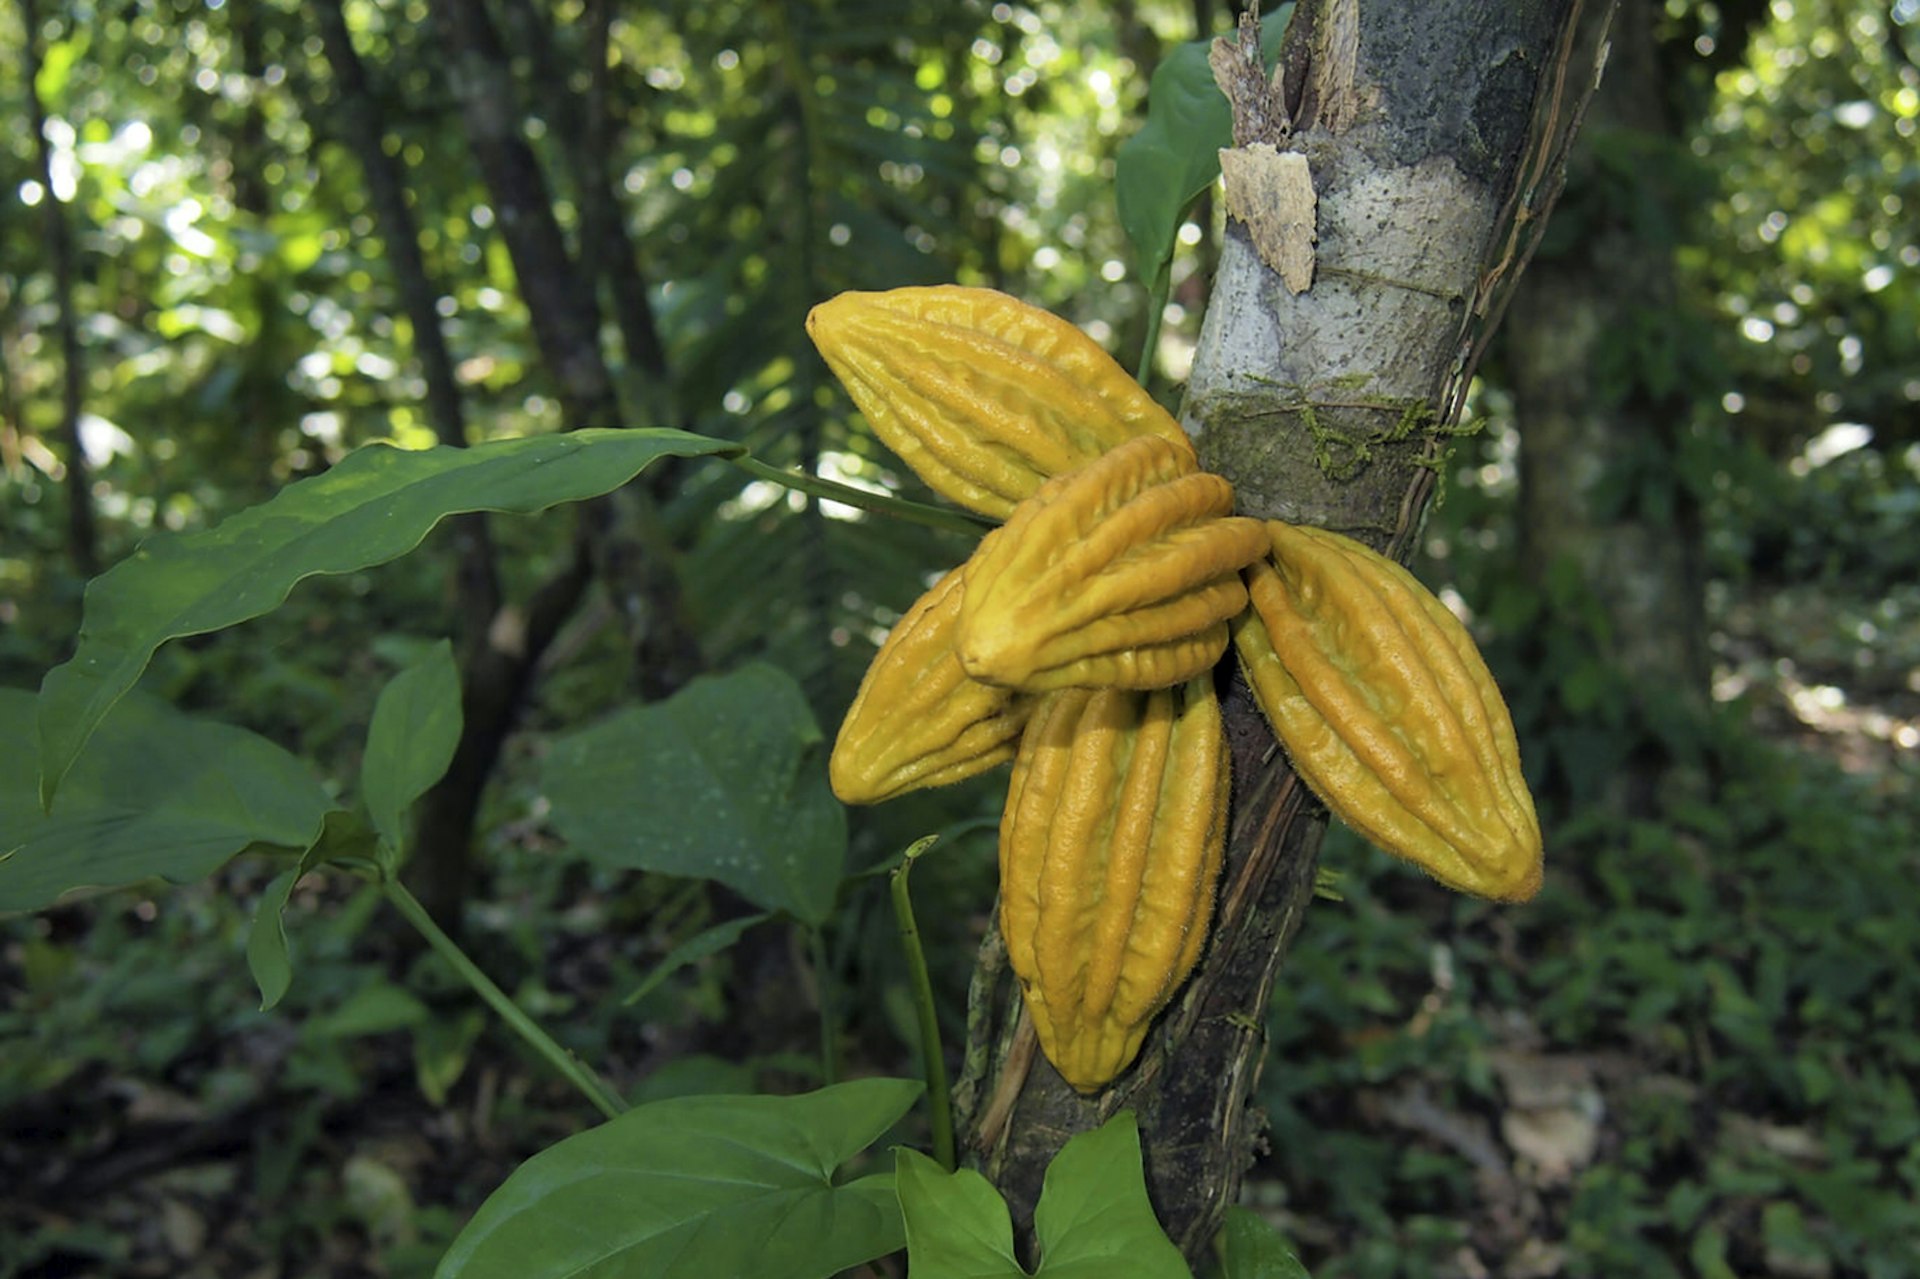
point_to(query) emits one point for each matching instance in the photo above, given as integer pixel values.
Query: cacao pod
(982, 395)
(1109, 850)
(1388, 711)
(1121, 574)
(919, 719)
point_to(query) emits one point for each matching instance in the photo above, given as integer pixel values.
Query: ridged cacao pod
(919, 719)
(1122, 574)
(1388, 711)
(983, 396)
(1109, 850)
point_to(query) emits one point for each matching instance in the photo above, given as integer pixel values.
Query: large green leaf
(1176, 154)
(1252, 1249)
(957, 1223)
(1093, 1220)
(725, 780)
(376, 505)
(416, 725)
(157, 793)
(698, 1187)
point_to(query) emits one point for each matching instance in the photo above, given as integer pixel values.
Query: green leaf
(711, 941)
(725, 780)
(416, 725)
(1175, 156)
(157, 794)
(442, 1046)
(370, 1010)
(1252, 1249)
(697, 1186)
(957, 1224)
(375, 506)
(1093, 1220)
(343, 834)
(268, 958)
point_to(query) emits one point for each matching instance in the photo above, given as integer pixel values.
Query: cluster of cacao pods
(1080, 638)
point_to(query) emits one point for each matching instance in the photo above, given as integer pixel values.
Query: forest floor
(1691, 1062)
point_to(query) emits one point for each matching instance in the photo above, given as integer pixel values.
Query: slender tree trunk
(261, 393)
(565, 317)
(1582, 427)
(582, 127)
(82, 537)
(359, 116)
(1432, 133)
(12, 410)
(623, 547)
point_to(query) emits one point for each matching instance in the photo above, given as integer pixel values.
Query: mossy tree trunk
(1434, 135)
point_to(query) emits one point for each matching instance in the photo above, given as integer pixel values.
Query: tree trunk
(1433, 134)
(478, 587)
(82, 540)
(585, 144)
(1584, 427)
(620, 544)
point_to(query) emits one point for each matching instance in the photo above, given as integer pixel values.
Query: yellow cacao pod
(1109, 849)
(1388, 711)
(983, 396)
(1121, 574)
(918, 719)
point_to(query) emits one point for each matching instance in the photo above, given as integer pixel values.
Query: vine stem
(577, 1072)
(935, 1063)
(878, 503)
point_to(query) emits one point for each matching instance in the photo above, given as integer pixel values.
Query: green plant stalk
(879, 503)
(1156, 305)
(823, 994)
(577, 1072)
(934, 1061)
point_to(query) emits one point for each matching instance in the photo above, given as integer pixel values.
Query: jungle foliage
(1695, 1054)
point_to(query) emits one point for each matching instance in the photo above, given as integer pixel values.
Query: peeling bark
(1433, 134)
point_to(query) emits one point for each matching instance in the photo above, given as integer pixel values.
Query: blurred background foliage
(1695, 1055)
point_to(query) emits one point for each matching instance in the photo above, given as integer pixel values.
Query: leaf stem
(1156, 306)
(934, 1061)
(577, 1072)
(879, 503)
(824, 995)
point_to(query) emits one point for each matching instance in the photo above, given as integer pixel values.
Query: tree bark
(1583, 428)
(565, 317)
(478, 588)
(581, 126)
(82, 536)
(622, 546)
(1432, 134)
